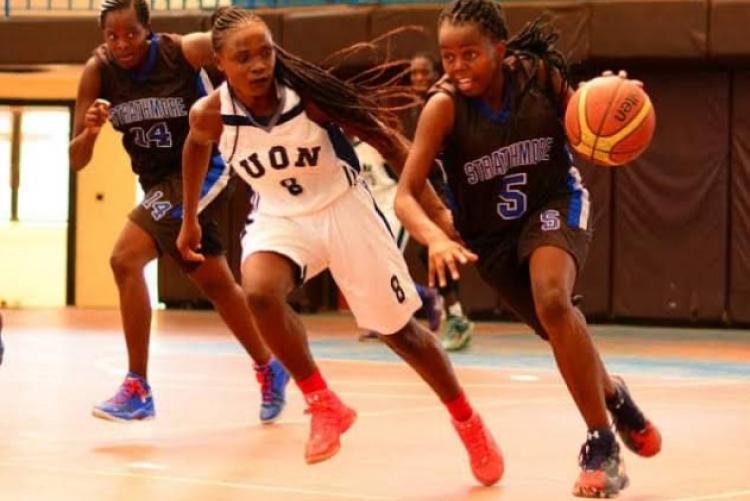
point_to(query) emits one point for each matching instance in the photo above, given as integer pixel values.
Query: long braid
(359, 100)
(534, 43)
(140, 6)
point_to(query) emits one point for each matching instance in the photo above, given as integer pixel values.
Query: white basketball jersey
(293, 165)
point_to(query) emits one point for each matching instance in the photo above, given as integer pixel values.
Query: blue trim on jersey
(142, 73)
(382, 216)
(237, 120)
(341, 146)
(503, 114)
(576, 201)
(199, 84)
(216, 167)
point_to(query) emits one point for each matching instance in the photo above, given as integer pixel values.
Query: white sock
(455, 310)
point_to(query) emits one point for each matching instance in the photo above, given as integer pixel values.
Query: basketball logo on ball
(610, 120)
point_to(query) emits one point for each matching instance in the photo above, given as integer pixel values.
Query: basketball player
(522, 210)
(276, 121)
(456, 334)
(144, 83)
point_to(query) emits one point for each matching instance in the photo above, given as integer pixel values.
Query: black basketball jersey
(150, 106)
(503, 165)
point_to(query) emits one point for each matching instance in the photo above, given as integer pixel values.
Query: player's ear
(500, 49)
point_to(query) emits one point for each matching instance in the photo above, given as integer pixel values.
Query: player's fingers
(469, 256)
(459, 254)
(440, 272)
(607, 73)
(622, 74)
(453, 268)
(194, 257)
(432, 273)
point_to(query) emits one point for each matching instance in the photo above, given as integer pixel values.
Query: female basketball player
(276, 122)
(522, 210)
(144, 84)
(456, 334)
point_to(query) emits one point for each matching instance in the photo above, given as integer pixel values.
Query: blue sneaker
(132, 402)
(273, 379)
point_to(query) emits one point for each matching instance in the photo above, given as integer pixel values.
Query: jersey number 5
(513, 200)
(157, 135)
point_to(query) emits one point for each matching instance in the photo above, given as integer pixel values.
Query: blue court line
(494, 358)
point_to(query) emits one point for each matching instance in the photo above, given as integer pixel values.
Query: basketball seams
(604, 116)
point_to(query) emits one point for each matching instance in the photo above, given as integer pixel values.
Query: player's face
(421, 75)
(470, 59)
(248, 58)
(126, 37)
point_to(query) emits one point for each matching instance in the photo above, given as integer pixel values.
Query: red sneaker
(484, 454)
(330, 418)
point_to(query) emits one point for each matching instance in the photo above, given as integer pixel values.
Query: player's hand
(621, 74)
(96, 116)
(444, 257)
(444, 221)
(189, 241)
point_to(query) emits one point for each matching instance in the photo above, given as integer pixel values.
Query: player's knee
(552, 305)
(123, 265)
(261, 302)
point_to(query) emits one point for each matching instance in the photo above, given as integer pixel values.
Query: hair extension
(359, 101)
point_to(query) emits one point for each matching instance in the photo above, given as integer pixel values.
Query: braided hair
(140, 7)
(366, 100)
(532, 46)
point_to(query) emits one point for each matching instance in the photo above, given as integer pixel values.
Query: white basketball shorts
(351, 238)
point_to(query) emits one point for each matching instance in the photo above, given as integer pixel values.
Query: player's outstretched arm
(445, 253)
(205, 130)
(90, 114)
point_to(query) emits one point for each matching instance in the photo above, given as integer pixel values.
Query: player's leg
(383, 298)
(133, 250)
(216, 281)
(552, 272)
(276, 251)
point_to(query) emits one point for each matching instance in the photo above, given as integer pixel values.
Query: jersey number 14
(157, 135)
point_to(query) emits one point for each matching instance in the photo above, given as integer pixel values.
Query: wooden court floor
(207, 443)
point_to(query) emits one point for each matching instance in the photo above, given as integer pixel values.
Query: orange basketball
(610, 120)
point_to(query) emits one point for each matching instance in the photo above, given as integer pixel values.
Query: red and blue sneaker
(602, 468)
(132, 402)
(636, 432)
(273, 379)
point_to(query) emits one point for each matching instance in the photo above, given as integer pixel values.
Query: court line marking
(720, 495)
(198, 481)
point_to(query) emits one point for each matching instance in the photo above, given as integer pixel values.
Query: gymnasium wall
(672, 230)
(105, 192)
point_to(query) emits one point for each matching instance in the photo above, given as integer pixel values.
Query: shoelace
(476, 443)
(130, 387)
(323, 414)
(265, 378)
